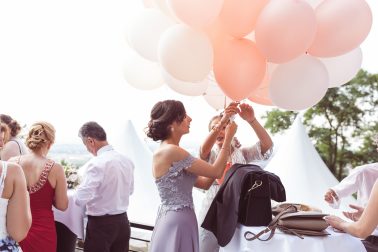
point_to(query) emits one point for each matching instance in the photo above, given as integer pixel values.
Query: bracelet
(227, 149)
(254, 120)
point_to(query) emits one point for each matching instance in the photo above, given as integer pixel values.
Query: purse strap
(273, 225)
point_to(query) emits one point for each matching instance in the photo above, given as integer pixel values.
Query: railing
(142, 227)
(79, 246)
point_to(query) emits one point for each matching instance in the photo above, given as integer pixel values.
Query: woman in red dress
(47, 187)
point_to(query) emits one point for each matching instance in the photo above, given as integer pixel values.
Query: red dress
(42, 234)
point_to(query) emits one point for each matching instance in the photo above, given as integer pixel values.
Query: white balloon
(146, 30)
(343, 68)
(141, 73)
(299, 84)
(314, 3)
(214, 95)
(162, 5)
(185, 54)
(185, 88)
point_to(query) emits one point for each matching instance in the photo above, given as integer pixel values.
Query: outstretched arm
(208, 172)
(248, 114)
(208, 144)
(366, 224)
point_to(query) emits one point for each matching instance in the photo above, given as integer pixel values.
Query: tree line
(342, 125)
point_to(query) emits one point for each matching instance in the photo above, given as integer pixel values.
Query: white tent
(302, 171)
(145, 201)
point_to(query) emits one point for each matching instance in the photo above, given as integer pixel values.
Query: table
(73, 217)
(290, 243)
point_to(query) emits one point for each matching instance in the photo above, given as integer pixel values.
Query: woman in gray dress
(176, 173)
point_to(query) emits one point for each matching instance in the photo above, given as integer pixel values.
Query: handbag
(300, 207)
(292, 221)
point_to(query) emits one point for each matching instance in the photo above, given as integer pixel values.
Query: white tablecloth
(290, 243)
(73, 217)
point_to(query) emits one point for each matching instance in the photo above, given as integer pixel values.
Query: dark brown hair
(13, 125)
(163, 114)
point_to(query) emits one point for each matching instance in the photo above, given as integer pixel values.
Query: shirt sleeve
(86, 190)
(253, 153)
(132, 178)
(349, 185)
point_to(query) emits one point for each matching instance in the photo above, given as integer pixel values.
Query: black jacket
(237, 202)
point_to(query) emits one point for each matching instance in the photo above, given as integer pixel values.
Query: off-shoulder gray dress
(176, 228)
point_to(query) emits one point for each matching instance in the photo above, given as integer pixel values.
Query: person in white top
(13, 146)
(364, 224)
(15, 216)
(360, 180)
(105, 192)
(209, 150)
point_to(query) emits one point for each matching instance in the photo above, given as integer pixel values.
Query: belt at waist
(107, 216)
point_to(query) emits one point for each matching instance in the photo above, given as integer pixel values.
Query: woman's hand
(335, 222)
(232, 109)
(246, 112)
(354, 216)
(330, 195)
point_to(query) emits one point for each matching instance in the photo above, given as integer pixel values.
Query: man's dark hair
(93, 130)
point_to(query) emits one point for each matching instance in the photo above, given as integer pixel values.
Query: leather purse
(305, 223)
(300, 207)
(292, 221)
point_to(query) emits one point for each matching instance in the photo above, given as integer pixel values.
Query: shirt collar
(104, 149)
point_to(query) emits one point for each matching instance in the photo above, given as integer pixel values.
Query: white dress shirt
(107, 184)
(360, 180)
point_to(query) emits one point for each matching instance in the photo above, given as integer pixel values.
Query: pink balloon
(239, 68)
(217, 34)
(342, 26)
(239, 16)
(261, 94)
(196, 13)
(285, 29)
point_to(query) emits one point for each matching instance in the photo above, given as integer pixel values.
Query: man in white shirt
(360, 180)
(105, 192)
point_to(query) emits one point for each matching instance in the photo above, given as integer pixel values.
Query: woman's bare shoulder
(170, 150)
(14, 171)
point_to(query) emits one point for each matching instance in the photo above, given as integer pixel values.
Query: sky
(63, 62)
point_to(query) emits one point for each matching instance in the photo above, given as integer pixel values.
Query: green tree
(341, 125)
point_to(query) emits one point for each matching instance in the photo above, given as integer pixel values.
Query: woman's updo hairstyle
(13, 125)
(163, 114)
(40, 134)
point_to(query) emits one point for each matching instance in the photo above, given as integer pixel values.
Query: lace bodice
(175, 187)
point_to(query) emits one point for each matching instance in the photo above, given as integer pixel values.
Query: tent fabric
(302, 171)
(144, 202)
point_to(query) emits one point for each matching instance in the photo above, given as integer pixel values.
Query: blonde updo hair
(40, 135)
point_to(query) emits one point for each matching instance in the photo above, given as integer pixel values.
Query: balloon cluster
(285, 53)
